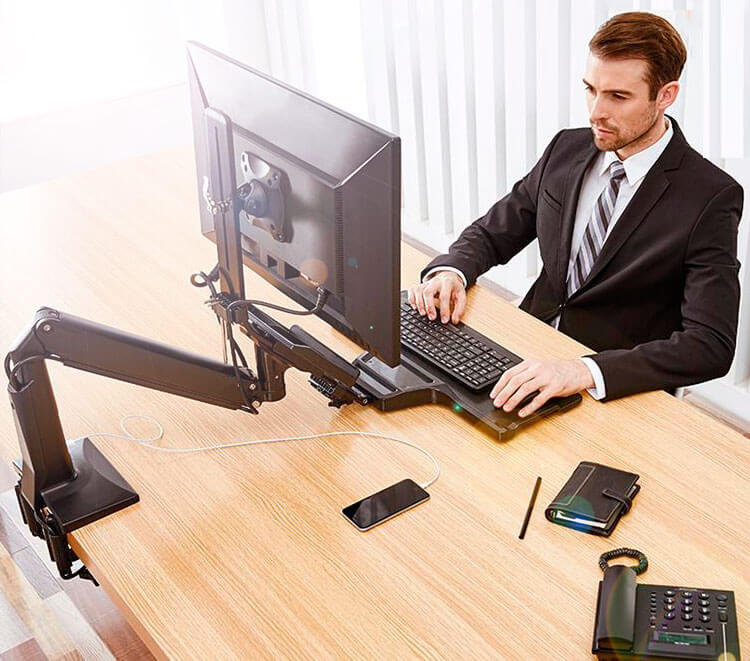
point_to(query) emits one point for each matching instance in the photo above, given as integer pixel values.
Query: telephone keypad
(687, 612)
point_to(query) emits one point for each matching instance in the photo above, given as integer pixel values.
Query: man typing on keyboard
(637, 234)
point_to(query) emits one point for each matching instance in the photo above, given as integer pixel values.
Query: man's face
(617, 97)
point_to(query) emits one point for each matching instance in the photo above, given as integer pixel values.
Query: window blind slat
(498, 51)
(390, 64)
(563, 64)
(416, 73)
(472, 182)
(746, 81)
(532, 108)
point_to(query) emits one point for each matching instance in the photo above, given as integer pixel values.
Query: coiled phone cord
(604, 559)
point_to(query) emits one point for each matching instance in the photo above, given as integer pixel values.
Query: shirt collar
(637, 165)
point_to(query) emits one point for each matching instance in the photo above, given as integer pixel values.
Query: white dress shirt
(594, 182)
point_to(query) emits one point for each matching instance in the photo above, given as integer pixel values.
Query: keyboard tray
(416, 382)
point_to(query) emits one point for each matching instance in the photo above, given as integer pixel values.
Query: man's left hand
(552, 378)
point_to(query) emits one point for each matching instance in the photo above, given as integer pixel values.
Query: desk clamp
(43, 525)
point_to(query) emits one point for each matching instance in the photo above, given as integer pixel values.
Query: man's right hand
(445, 286)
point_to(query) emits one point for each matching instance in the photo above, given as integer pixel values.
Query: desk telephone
(660, 622)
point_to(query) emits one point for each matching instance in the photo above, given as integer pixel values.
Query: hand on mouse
(552, 378)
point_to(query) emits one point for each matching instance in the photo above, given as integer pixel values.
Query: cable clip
(215, 207)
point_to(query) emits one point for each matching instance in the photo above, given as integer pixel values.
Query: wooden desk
(245, 552)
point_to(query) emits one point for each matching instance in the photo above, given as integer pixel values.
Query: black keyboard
(466, 355)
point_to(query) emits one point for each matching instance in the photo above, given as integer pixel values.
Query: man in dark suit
(637, 234)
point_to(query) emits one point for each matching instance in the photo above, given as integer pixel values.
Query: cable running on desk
(148, 441)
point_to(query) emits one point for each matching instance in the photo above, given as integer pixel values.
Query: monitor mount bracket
(261, 197)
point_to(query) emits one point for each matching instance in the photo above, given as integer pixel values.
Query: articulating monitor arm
(65, 486)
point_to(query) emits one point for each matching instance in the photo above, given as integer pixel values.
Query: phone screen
(385, 504)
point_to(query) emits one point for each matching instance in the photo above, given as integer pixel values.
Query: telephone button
(704, 595)
(705, 618)
(687, 594)
(668, 600)
(670, 615)
(686, 602)
(704, 610)
(669, 607)
(723, 616)
(687, 609)
(705, 602)
(722, 597)
(687, 616)
(669, 593)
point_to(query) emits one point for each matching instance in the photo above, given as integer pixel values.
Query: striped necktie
(596, 230)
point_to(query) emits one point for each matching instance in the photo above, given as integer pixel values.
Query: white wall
(87, 82)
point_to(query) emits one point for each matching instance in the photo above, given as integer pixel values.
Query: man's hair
(642, 36)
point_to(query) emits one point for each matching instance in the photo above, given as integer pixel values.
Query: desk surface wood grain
(245, 552)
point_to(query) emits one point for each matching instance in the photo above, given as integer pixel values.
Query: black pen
(531, 507)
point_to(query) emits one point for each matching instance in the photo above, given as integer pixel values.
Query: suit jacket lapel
(572, 190)
(647, 195)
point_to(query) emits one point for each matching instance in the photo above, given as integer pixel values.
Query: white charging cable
(148, 441)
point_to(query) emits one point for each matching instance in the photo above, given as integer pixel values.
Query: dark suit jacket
(661, 302)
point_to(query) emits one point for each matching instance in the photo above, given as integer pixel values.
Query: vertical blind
(477, 88)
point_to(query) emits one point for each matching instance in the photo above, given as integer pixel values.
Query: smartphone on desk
(383, 505)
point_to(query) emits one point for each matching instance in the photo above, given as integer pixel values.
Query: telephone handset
(660, 622)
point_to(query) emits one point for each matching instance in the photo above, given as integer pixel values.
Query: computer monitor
(318, 190)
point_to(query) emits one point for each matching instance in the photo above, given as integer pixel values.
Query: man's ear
(667, 95)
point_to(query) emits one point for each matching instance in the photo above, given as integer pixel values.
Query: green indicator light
(457, 408)
(372, 327)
